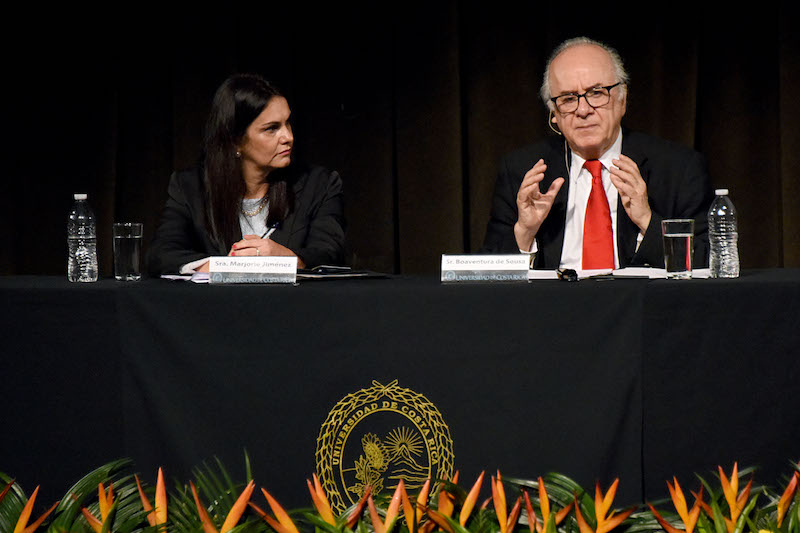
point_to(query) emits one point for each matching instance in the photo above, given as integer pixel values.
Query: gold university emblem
(377, 436)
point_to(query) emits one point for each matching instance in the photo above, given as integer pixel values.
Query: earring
(550, 123)
(238, 154)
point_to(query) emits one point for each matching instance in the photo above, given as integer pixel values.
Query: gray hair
(616, 61)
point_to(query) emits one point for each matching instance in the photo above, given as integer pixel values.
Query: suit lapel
(557, 167)
(283, 233)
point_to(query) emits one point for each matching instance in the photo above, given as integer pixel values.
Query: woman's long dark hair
(237, 103)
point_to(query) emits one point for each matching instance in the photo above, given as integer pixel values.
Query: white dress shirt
(580, 186)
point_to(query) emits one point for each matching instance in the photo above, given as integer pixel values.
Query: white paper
(630, 272)
(657, 273)
(542, 274)
(197, 277)
(641, 272)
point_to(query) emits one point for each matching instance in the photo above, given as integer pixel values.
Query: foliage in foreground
(110, 500)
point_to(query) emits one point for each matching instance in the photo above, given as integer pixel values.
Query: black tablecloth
(596, 379)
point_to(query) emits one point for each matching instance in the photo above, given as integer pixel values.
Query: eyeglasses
(595, 97)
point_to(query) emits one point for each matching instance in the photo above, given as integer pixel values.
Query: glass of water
(678, 247)
(127, 251)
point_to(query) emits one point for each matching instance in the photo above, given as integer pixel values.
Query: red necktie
(598, 240)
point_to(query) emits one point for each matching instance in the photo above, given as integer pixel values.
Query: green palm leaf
(183, 512)
(644, 521)
(12, 503)
(84, 490)
(740, 522)
(218, 492)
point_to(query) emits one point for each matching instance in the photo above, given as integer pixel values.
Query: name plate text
(252, 270)
(511, 267)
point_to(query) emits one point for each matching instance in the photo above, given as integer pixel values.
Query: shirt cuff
(191, 268)
(533, 249)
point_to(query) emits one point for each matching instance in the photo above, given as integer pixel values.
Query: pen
(268, 232)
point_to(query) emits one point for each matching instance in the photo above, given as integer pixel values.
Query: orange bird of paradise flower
(413, 512)
(736, 503)
(352, 520)
(688, 517)
(783, 503)
(602, 504)
(157, 516)
(385, 525)
(544, 505)
(320, 500)
(22, 522)
(469, 501)
(233, 515)
(281, 523)
(106, 501)
(506, 519)
(467, 507)
(445, 509)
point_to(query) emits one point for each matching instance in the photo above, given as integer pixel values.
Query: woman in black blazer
(248, 197)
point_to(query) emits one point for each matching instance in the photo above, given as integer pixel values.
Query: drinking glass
(678, 247)
(127, 251)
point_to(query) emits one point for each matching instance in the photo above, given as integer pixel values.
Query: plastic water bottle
(723, 237)
(81, 242)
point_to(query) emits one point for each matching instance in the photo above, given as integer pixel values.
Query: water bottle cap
(721, 192)
(80, 196)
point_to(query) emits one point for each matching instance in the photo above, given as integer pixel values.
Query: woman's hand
(253, 245)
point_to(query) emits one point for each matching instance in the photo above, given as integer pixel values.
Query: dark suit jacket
(678, 186)
(314, 229)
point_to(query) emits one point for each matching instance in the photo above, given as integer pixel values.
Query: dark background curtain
(413, 103)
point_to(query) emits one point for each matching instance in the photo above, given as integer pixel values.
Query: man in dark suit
(595, 199)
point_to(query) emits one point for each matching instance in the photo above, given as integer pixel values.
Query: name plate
(512, 267)
(252, 269)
